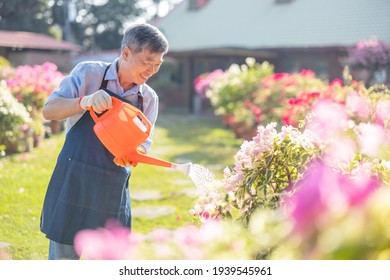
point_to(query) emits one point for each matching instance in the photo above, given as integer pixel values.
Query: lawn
(179, 137)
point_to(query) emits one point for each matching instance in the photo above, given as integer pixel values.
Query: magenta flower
(356, 189)
(202, 82)
(323, 191)
(307, 203)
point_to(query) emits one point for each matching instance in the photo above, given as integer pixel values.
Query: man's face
(139, 67)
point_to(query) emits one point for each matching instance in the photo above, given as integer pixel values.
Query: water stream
(203, 178)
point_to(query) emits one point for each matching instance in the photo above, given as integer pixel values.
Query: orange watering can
(123, 129)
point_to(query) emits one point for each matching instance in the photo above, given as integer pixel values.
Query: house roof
(263, 24)
(29, 40)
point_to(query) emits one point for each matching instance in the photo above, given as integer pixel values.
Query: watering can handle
(115, 102)
(93, 114)
(145, 121)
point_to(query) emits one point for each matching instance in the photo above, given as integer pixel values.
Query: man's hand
(98, 101)
(125, 162)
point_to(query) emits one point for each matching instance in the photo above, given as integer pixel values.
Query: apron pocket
(89, 186)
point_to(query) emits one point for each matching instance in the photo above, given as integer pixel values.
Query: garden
(288, 166)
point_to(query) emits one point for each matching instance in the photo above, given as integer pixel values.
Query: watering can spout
(185, 168)
(142, 158)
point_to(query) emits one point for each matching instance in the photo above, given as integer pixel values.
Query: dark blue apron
(86, 188)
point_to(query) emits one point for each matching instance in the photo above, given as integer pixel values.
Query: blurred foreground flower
(213, 240)
(113, 242)
(323, 191)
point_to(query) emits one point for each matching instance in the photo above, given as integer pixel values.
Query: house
(34, 48)
(291, 34)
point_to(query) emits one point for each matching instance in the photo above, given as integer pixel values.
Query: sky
(164, 6)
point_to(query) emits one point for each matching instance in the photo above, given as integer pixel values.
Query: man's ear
(126, 53)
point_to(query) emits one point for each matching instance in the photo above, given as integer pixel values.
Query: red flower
(256, 110)
(308, 73)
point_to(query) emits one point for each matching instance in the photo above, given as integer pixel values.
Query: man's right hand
(99, 101)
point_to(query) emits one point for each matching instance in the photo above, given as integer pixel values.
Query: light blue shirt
(86, 78)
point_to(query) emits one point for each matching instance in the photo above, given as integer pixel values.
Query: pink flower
(342, 150)
(383, 112)
(256, 110)
(110, 243)
(329, 119)
(202, 82)
(371, 138)
(187, 236)
(161, 235)
(247, 103)
(358, 105)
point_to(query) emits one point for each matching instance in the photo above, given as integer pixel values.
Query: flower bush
(275, 92)
(263, 169)
(355, 133)
(314, 184)
(228, 91)
(13, 115)
(298, 106)
(371, 53)
(253, 95)
(369, 61)
(31, 85)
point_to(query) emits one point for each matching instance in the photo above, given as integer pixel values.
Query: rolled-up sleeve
(72, 85)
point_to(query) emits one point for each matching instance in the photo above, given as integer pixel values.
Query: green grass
(178, 137)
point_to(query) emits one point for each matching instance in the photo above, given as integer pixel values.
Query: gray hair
(140, 36)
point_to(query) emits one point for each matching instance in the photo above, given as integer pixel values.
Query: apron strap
(104, 84)
(140, 104)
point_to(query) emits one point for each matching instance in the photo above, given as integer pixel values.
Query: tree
(99, 24)
(21, 15)
(95, 24)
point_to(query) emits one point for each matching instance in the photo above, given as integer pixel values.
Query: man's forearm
(61, 108)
